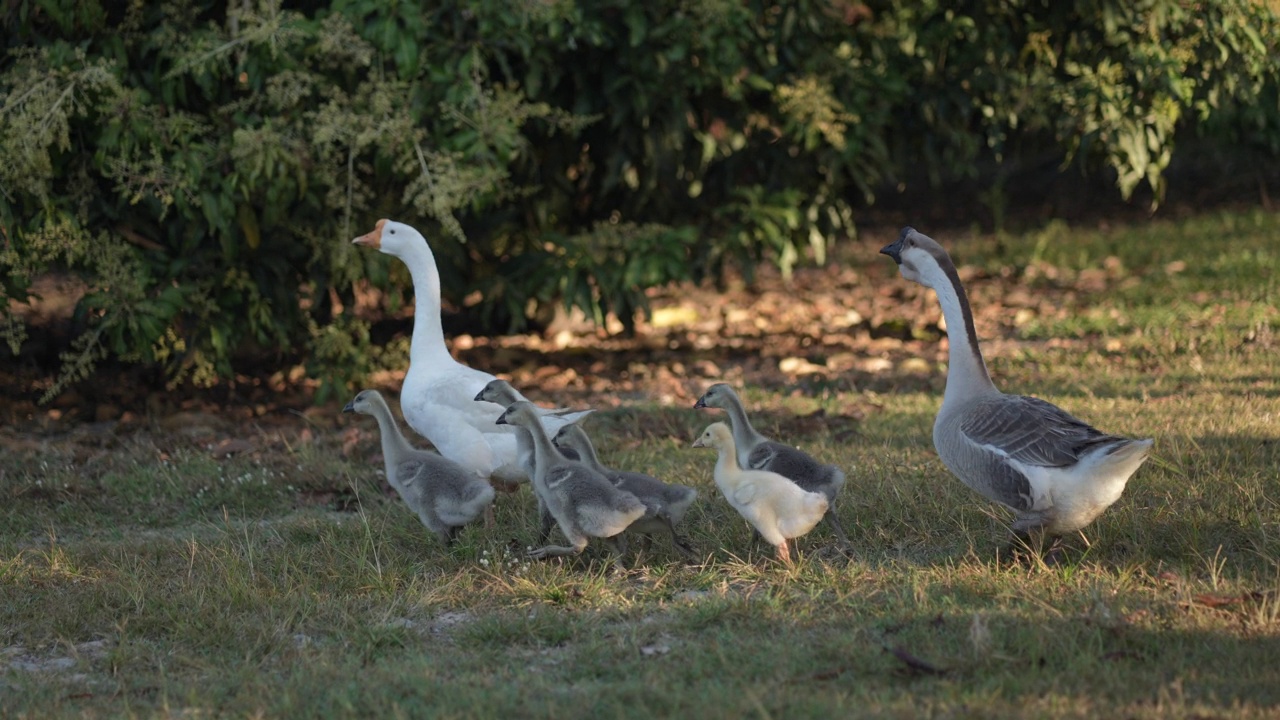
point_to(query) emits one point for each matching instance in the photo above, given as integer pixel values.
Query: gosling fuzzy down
(445, 495)
(667, 502)
(776, 507)
(757, 452)
(582, 501)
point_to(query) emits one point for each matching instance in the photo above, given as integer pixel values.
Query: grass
(141, 577)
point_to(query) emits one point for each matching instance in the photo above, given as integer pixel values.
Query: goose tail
(1129, 454)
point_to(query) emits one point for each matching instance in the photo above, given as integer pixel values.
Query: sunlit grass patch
(153, 578)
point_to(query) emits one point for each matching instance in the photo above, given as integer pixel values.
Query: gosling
(445, 495)
(667, 503)
(778, 508)
(582, 501)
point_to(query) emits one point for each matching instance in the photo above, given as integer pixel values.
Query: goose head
(717, 435)
(393, 238)
(521, 412)
(716, 396)
(568, 436)
(497, 391)
(364, 402)
(920, 258)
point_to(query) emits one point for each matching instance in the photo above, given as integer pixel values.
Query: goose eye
(393, 232)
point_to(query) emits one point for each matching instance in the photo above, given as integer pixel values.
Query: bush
(203, 165)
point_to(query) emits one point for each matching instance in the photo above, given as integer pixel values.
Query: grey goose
(667, 502)
(1056, 472)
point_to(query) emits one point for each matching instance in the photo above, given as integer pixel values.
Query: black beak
(477, 397)
(702, 403)
(894, 249)
(349, 407)
(502, 420)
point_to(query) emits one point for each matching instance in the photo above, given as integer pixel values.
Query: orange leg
(784, 553)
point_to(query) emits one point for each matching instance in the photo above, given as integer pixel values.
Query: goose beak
(702, 403)
(894, 249)
(502, 420)
(699, 443)
(373, 238)
(479, 396)
(349, 407)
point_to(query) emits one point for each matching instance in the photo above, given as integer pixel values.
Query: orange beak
(373, 238)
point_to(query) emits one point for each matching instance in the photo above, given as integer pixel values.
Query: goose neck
(727, 463)
(543, 449)
(394, 445)
(966, 371)
(428, 333)
(589, 456)
(744, 434)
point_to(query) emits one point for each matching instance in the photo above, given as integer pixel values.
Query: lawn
(254, 564)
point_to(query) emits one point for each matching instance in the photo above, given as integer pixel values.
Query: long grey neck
(745, 436)
(394, 444)
(967, 372)
(544, 451)
(588, 452)
(428, 334)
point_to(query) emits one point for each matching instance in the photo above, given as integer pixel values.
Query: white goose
(438, 395)
(1053, 470)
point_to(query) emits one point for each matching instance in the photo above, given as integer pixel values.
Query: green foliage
(203, 165)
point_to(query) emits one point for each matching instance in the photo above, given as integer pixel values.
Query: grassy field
(142, 576)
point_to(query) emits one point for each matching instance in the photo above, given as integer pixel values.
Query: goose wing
(409, 473)
(1012, 440)
(1031, 431)
(744, 493)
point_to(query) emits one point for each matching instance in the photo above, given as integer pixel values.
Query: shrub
(203, 165)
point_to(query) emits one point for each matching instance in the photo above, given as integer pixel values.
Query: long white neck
(966, 372)
(428, 335)
(726, 466)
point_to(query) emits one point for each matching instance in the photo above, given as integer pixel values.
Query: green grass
(147, 579)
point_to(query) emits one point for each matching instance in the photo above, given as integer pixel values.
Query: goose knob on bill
(1056, 472)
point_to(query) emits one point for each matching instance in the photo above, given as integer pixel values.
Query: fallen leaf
(230, 447)
(1216, 601)
(914, 663)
